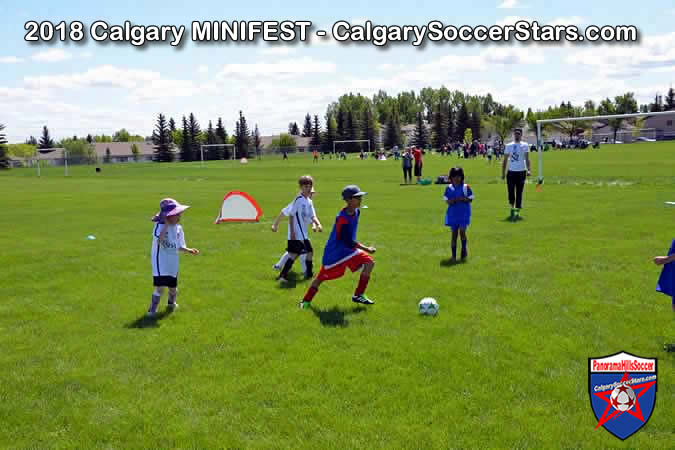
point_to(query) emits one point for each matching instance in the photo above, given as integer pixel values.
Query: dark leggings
(407, 173)
(516, 182)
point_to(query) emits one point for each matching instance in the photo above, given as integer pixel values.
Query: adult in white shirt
(518, 162)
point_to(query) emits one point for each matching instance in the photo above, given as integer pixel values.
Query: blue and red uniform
(341, 249)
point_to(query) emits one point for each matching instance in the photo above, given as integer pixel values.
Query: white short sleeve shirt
(516, 153)
(164, 253)
(302, 210)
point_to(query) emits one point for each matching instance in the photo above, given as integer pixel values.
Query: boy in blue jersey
(458, 196)
(343, 251)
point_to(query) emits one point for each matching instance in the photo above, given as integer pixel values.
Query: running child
(275, 226)
(168, 239)
(458, 196)
(300, 215)
(343, 251)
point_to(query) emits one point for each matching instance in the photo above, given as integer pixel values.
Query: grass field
(503, 365)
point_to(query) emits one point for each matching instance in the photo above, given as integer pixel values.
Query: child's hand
(193, 251)
(660, 260)
(319, 228)
(274, 227)
(370, 249)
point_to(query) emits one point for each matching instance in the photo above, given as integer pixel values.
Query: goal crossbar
(575, 119)
(201, 148)
(351, 140)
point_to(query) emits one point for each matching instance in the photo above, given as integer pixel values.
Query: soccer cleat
(304, 305)
(465, 253)
(309, 275)
(276, 267)
(362, 299)
(512, 217)
(172, 305)
(150, 314)
(282, 279)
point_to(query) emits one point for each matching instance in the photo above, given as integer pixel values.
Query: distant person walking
(417, 154)
(517, 161)
(407, 166)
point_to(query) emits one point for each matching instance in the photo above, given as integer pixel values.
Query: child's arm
(661, 260)
(364, 248)
(315, 221)
(275, 225)
(182, 247)
(192, 251)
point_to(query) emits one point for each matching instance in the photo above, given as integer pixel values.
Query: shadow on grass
(150, 322)
(336, 316)
(449, 262)
(293, 279)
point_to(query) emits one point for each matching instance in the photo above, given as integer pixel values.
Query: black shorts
(418, 170)
(167, 281)
(300, 247)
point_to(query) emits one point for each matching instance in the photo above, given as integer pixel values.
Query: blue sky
(99, 88)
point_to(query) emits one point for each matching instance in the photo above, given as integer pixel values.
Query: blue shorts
(457, 224)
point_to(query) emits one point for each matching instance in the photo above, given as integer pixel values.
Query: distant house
(302, 144)
(663, 125)
(121, 151)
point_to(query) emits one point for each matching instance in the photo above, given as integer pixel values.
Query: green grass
(504, 364)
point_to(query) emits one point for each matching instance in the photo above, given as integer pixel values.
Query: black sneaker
(362, 299)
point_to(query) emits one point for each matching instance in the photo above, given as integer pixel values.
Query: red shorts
(354, 263)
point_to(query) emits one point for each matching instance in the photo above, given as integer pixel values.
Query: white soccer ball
(623, 397)
(428, 306)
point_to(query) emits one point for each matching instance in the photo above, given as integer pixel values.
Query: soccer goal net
(353, 145)
(620, 123)
(46, 158)
(623, 136)
(211, 152)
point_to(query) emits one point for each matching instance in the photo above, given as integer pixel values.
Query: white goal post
(540, 178)
(201, 148)
(352, 140)
(45, 151)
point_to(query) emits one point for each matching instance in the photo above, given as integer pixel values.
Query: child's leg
(364, 278)
(303, 262)
(287, 266)
(308, 270)
(313, 289)
(173, 294)
(453, 245)
(156, 296)
(462, 235)
(281, 261)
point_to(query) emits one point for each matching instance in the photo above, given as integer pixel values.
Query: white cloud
(276, 51)
(572, 20)
(102, 76)
(509, 4)
(287, 67)
(87, 55)
(10, 60)
(511, 20)
(52, 55)
(203, 68)
(655, 53)
(358, 21)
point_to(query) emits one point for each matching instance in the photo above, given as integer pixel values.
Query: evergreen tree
(370, 128)
(330, 135)
(476, 123)
(392, 135)
(450, 117)
(186, 147)
(462, 123)
(316, 132)
(221, 138)
(4, 158)
(195, 137)
(32, 141)
(353, 131)
(657, 106)
(340, 120)
(670, 100)
(46, 141)
(161, 139)
(421, 134)
(172, 125)
(256, 140)
(90, 139)
(242, 137)
(440, 127)
(293, 129)
(210, 152)
(307, 127)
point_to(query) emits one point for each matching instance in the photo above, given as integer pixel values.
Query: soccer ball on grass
(428, 306)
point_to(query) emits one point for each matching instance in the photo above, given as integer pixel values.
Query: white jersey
(302, 211)
(164, 253)
(516, 152)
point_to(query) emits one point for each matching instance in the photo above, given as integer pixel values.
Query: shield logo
(622, 390)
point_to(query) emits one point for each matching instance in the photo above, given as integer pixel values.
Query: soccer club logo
(622, 388)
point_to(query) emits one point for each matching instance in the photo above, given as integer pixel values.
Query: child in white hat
(167, 240)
